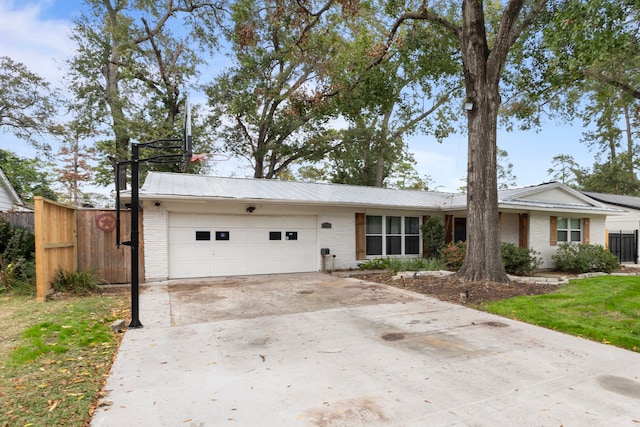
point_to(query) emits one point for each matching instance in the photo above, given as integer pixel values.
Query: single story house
(204, 226)
(622, 229)
(9, 198)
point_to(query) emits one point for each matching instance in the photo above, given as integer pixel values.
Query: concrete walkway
(316, 350)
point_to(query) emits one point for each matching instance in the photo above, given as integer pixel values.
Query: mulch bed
(452, 290)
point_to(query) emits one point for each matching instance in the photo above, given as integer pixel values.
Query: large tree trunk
(482, 70)
(483, 261)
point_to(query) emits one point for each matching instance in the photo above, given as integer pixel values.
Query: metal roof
(161, 185)
(615, 199)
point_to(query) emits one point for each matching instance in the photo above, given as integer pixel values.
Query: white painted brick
(156, 245)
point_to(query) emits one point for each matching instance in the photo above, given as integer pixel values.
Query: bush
(581, 258)
(374, 264)
(75, 282)
(519, 261)
(17, 258)
(433, 236)
(399, 264)
(453, 255)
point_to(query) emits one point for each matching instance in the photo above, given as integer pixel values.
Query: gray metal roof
(614, 199)
(159, 185)
(178, 185)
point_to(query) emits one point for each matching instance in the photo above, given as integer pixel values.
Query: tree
(27, 103)
(406, 93)
(484, 42)
(270, 103)
(75, 159)
(28, 176)
(611, 177)
(130, 70)
(597, 40)
(564, 169)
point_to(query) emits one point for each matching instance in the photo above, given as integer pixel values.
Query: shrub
(76, 282)
(433, 236)
(17, 258)
(394, 265)
(453, 255)
(520, 261)
(581, 258)
(374, 264)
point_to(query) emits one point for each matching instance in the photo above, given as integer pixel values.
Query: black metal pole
(135, 236)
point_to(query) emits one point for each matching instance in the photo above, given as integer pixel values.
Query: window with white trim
(392, 235)
(569, 230)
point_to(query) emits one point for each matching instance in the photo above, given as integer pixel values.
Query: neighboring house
(622, 230)
(9, 199)
(201, 226)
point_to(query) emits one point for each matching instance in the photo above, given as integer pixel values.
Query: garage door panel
(249, 249)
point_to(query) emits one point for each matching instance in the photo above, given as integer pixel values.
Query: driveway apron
(319, 350)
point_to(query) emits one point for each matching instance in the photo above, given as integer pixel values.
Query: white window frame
(570, 229)
(385, 234)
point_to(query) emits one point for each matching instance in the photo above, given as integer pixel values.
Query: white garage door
(221, 245)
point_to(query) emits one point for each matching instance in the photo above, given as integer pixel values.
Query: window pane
(562, 224)
(562, 236)
(575, 236)
(411, 245)
(393, 225)
(575, 224)
(411, 225)
(374, 245)
(394, 245)
(373, 224)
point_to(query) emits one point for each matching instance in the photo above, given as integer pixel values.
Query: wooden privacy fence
(80, 239)
(97, 248)
(56, 242)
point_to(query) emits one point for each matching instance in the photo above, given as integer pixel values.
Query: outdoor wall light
(157, 204)
(250, 209)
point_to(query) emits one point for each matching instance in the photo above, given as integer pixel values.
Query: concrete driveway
(317, 350)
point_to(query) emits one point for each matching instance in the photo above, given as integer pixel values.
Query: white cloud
(40, 43)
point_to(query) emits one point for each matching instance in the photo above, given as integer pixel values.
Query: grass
(54, 357)
(604, 309)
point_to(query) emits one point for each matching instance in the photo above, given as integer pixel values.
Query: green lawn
(604, 309)
(54, 357)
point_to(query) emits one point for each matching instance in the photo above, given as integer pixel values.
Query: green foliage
(374, 264)
(581, 258)
(453, 255)
(76, 282)
(520, 261)
(395, 265)
(615, 176)
(28, 176)
(603, 309)
(17, 258)
(433, 236)
(148, 68)
(27, 103)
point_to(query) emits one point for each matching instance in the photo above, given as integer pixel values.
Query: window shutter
(425, 250)
(361, 246)
(448, 229)
(553, 231)
(523, 230)
(585, 230)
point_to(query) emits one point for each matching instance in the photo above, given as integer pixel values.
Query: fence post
(38, 227)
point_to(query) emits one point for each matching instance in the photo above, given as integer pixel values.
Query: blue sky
(35, 33)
